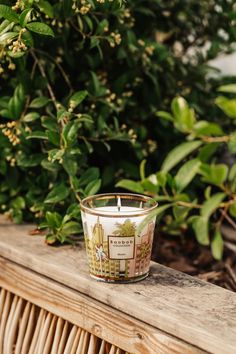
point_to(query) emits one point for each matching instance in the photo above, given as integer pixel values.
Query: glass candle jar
(117, 251)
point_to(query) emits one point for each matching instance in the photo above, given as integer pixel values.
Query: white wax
(108, 222)
(118, 210)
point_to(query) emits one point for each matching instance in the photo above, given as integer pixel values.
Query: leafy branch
(205, 214)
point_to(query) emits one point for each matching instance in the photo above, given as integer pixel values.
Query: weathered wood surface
(111, 325)
(192, 310)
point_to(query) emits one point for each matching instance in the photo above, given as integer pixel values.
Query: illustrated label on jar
(121, 247)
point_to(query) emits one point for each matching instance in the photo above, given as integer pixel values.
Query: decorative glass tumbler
(118, 232)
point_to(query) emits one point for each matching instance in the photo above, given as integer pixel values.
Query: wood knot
(97, 330)
(140, 336)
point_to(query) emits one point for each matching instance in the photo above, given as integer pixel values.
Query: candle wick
(118, 203)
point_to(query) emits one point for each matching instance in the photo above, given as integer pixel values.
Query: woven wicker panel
(28, 329)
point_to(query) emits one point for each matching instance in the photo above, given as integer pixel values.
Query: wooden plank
(187, 308)
(104, 322)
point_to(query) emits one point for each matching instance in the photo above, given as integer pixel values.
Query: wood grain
(182, 306)
(102, 321)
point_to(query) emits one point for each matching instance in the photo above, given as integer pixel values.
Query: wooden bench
(49, 304)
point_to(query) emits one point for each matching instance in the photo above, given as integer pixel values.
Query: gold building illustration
(98, 253)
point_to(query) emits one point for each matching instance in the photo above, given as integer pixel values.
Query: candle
(116, 251)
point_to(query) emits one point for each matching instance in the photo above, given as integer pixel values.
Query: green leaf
(40, 28)
(37, 135)
(89, 22)
(101, 26)
(179, 153)
(211, 204)
(75, 183)
(27, 160)
(55, 154)
(3, 198)
(227, 105)
(45, 7)
(70, 228)
(50, 166)
(180, 212)
(74, 211)
(232, 173)
(50, 123)
(54, 219)
(5, 26)
(57, 194)
(77, 98)
(153, 179)
(150, 217)
(142, 169)
(51, 239)
(15, 55)
(161, 178)
(186, 174)
(200, 226)
(98, 89)
(232, 210)
(67, 7)
(62, 114)
(130, 185)
(4, 38)
(94, 42)
(184, 117)
(231, 88)
(203, 127)
(39, 102)
(217, 245)
(183, 197)
(214, 174)
(70, 164)
(25, 17)
(70, 132)
(93, 187)
(30, 117)
(163, 198)
(232, 143)
(18, 203)
(149, 186)
(88, 176)
(207, 151)
(3, 167)
(165, 115)
(9, 14)
(28, 39)
(86, 118)
(53, 137)
(207, 192)
(16, 103)
(17, 216)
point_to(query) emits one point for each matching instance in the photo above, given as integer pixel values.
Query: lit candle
(116, 251)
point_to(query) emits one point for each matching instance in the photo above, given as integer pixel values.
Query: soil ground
(186, 255)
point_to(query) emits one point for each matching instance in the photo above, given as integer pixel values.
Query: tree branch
(42, 71)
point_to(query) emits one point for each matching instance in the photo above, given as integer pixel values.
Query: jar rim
(84, 204)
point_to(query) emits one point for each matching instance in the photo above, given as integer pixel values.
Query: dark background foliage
(82, 82)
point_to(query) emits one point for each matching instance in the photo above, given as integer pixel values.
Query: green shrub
(80, 84)
(195, 190)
